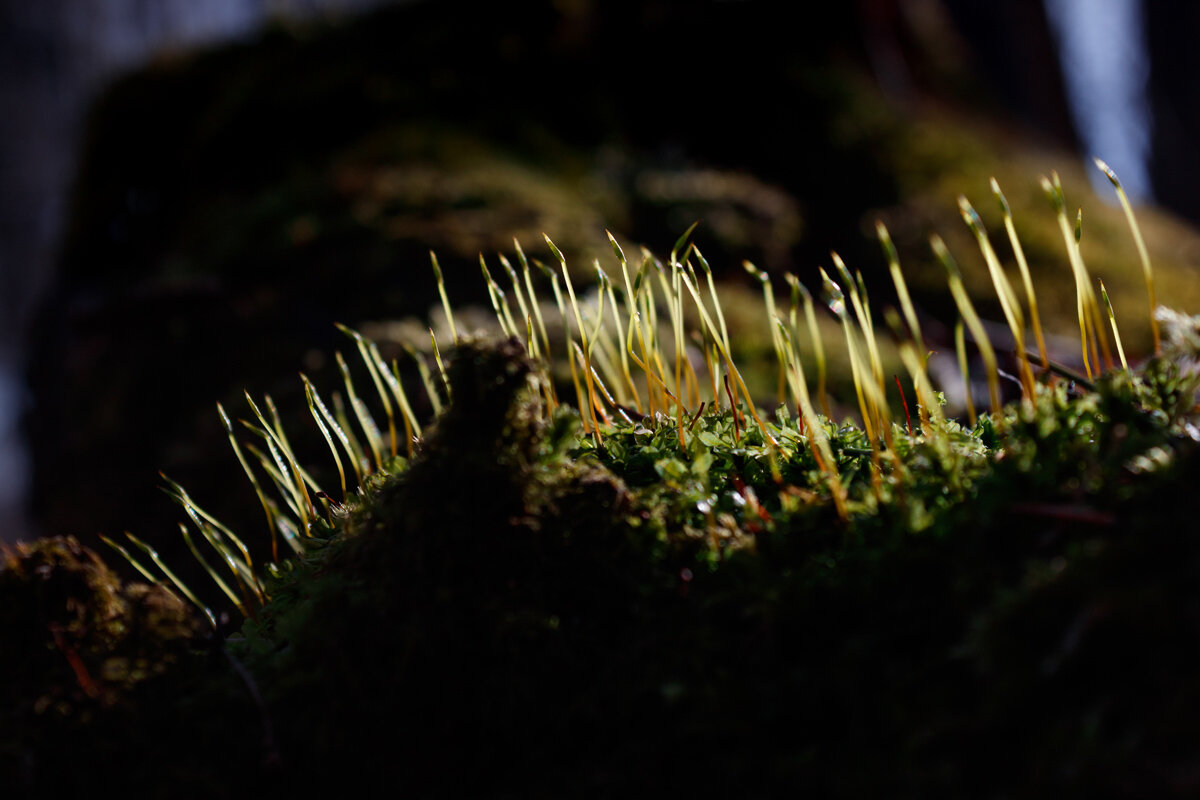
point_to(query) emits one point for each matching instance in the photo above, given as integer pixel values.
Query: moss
(437, 620)
(94, 675)
(520, 611)
(85, 638)
(516, 611)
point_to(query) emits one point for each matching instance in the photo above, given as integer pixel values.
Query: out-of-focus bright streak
(1102, 49)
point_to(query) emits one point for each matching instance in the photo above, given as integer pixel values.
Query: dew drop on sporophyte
(835, 298)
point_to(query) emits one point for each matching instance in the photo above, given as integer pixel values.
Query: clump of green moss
(83, 651)
(517, 610)
(521, 611)
(459, 595)
(84, 638)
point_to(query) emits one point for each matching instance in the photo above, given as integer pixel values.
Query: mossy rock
(518, 611)
(527, 620)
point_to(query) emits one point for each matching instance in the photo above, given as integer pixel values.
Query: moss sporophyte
(522, 548)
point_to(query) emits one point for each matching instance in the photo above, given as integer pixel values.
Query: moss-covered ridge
(518, 611)
(525, 613)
